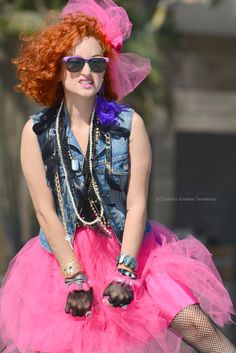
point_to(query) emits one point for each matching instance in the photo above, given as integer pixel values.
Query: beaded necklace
(99, 215)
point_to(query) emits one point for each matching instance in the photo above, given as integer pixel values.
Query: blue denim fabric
(114, 202)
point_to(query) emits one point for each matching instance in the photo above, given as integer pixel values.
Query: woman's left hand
(120, 294)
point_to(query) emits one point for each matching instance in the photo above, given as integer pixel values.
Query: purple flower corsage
(108, 111)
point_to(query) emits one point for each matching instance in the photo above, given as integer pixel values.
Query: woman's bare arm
(41, 195)
(141, 160)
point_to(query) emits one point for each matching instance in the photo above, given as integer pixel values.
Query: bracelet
(128, 261)
(70, 268)
(127, 273)
(80, 279)
(126, 277)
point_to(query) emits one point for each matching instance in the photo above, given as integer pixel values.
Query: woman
(100, 277)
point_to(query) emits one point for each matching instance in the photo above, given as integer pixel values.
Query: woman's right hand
(79, 302)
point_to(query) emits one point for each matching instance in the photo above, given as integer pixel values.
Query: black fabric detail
(113, 129)
(46, 119)
(112, 183)
(48, 149)
(51, 169)
(78, 189)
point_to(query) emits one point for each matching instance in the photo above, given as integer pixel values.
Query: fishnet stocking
(198, 330)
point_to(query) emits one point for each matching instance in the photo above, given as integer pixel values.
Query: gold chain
(60, 201)
(108, 142)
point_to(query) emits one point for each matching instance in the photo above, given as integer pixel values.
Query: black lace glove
(79, 302)
(119, 293)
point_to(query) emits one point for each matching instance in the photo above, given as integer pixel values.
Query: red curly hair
(39, 60)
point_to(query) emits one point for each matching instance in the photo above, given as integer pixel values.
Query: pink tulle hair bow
(127, 70)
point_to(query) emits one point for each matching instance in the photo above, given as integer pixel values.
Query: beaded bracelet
(126, 277)
(128, 261)
(127, 273)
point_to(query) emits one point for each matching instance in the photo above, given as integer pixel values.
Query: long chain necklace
(99, 216)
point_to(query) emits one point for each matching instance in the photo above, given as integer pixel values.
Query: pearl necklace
(99, 217)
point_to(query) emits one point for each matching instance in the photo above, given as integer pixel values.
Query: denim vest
(114, 202)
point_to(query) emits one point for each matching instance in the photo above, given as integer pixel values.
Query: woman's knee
(192, 322)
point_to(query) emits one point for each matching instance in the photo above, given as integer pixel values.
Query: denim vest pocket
(120, 165)
(120, 170)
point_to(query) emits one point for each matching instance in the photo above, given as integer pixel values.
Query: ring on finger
(124, 306)
(88, 313)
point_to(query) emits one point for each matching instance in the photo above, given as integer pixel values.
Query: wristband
(127, 273)
(80, 280)
(128, 261)
(74, 287)
(125, 279)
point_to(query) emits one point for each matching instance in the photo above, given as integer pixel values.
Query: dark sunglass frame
(76, 63)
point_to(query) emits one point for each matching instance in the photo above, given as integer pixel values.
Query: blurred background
(188, 103)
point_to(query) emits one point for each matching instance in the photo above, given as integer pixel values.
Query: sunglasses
(76, 63)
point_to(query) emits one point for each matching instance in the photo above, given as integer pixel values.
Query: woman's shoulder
(37, 116)
(128, 117)
(33, 119)
(125, 116)
(125, 110)
(43, 118)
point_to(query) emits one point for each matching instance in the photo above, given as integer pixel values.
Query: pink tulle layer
(172, 274)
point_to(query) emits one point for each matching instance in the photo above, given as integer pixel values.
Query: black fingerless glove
(79, 302)
(119, 294)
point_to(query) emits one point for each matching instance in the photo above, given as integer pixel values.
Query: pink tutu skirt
(172, 274)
